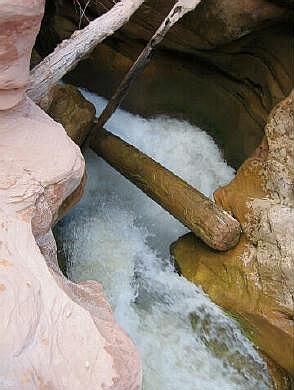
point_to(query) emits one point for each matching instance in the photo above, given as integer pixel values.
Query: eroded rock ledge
(255, 279)
(53, 333)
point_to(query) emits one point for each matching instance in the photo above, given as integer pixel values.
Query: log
(204, 218)
(179, 9)
(70, 51)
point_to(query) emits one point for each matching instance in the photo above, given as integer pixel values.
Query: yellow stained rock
(254, 280)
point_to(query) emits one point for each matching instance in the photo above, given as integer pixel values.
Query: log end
(224, 234)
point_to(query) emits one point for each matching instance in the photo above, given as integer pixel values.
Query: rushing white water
(121, 238)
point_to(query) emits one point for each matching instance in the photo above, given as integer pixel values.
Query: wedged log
(205, 219)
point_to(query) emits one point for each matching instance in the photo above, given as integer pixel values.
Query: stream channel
(120, 237)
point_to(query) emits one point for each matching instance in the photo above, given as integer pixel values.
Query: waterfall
(120, 237)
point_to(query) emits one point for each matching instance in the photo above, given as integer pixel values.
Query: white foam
(120, 237)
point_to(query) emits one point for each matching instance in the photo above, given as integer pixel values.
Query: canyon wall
(54, 333)
(254, 281)
(231, 63)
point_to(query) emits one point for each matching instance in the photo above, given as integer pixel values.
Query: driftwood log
(204, 218)
(213, 225)
(70, 51)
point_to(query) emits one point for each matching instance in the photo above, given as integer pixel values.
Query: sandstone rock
(213, 23)
(46, 319)
(72, 110)
(19, 24)
(285, 3)
(255, 279)
(54, 334)
(225, 85)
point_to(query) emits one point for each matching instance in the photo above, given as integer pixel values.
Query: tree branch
(70, 51)
(180, 8)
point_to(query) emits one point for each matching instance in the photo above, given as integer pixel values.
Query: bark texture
(209, 222)
(66, 55)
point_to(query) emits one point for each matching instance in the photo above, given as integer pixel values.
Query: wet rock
(255, 279)
(72, 110)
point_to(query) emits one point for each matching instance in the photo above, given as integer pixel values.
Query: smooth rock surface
(19, 24)
(231, 63)
(212, 23)
(54, 334)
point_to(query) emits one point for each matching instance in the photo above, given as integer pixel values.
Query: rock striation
(20, 23)
(53, 333)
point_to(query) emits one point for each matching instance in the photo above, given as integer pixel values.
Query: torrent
(119, 237)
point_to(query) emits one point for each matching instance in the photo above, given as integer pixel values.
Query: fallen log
(204, 218)
(70, 51)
